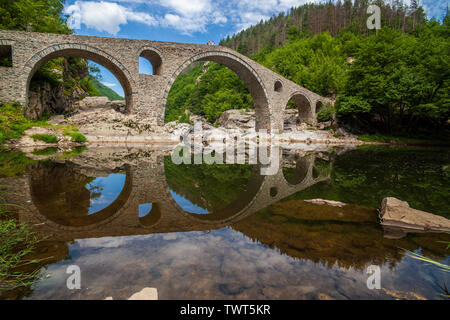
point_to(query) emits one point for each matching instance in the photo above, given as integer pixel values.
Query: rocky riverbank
(104, 122)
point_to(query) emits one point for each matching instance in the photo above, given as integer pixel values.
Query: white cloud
(110, 84)
(188, 8)
(188, 16)
(184, 24)
(104, 16)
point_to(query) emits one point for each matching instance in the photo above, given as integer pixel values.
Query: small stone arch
(245, 72)
(87, 52)
(152, 217)
(278, 86)
(319, 106)
(299, 173)
(155, 57)
(304, 106)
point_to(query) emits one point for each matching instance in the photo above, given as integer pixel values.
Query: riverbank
(96, 124)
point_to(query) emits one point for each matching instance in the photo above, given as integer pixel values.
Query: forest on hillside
(332, 16)
(394, 81)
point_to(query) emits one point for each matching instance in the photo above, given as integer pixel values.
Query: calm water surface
(132, 219)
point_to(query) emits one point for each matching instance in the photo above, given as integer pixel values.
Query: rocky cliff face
(59, 92)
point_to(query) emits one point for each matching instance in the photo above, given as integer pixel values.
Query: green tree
(33, 15)
(404, 79)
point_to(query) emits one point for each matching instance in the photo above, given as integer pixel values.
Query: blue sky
(186, 205)
(188, 21)
(109, 188)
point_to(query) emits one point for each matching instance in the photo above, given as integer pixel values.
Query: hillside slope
(105, 91)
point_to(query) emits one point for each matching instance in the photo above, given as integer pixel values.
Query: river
(130, 218)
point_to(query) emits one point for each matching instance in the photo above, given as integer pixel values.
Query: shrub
(351, 106)
(326, 113)
(78, 137)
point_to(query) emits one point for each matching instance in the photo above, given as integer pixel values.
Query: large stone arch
(89, 222)
(245, 72)
(123, 75)
(234, 209)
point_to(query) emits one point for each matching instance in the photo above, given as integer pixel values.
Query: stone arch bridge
(145, 94)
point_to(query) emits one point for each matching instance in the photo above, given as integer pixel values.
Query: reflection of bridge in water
(348, 237)
(146, 183)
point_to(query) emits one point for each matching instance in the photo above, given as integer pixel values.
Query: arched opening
(212, 193)
(298, 110)
(149, 214)
(150, 62)
(76, 56)
(273, 192)
(6, 56)
(71, 196)
(278, 87)
(211, 83)
(319, 106)
(296, 170)
(322, 168)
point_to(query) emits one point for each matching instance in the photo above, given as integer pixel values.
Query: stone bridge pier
(145, 94)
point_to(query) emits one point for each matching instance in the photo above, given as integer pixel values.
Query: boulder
(326, 202)
(145, 294)
(93, 102)
(233, 119)
(57, 120)
(397, 213)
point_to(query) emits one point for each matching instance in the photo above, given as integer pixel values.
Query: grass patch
(45, 152)
(47, 138)
(12, 122)
(73, 133)
(400, 140)
(78, 137)
(17, 241)
(13, 125)
(75, 152)
(13, 163)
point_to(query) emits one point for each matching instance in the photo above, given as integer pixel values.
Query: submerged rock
(145, 294)
(326, 202)
(397, 213)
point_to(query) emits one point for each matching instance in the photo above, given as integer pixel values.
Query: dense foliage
(400, 83)
(367, 175)
(318, 63)
(333, 16)
(33, 15)
(102, 90)
(212, 187)
(206, 90)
